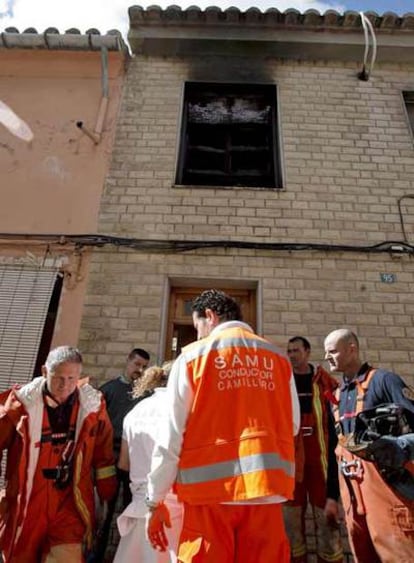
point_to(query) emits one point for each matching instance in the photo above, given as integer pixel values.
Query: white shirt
(180, 397)
(141, 429)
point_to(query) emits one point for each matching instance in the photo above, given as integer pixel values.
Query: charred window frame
(409, 106)
(229, 136)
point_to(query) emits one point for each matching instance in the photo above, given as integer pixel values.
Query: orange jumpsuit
(316, 469)
(39, 521)
(380, 523)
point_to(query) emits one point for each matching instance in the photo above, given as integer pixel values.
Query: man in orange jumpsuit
(59, 446)
(317, 470)
(228, 442)
(380, 521)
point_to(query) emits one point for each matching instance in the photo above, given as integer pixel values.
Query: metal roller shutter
(25, 293)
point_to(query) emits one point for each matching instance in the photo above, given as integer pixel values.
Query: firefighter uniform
(317, 471)
(380, 522)
(47, 510)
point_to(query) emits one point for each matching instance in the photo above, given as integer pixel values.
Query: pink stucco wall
(54, 184)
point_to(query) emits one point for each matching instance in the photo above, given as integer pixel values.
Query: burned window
(409, 106)
(229, 136)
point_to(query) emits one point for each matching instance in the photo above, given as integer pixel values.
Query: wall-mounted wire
(173, 246)
(368, 28)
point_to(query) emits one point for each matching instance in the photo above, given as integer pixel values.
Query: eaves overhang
(71, 40)
(287, 35)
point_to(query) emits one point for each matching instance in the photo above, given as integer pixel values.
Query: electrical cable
(374, 45)
(174, 246)
(367, 26)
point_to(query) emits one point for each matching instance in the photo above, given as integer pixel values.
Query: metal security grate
(24, 300)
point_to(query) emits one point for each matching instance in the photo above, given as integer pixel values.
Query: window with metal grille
(409, 106)
(229, 136)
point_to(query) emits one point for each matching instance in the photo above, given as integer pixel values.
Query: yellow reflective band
(81, 506)
(337, 556)
(104, 472)
(319, 424)
(298, 551)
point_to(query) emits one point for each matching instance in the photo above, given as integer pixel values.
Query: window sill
(237, 188)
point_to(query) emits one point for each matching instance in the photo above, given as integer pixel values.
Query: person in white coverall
(140, 432)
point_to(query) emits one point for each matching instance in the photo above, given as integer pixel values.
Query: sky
(105, 15)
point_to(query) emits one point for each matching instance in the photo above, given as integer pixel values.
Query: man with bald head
(380, 520)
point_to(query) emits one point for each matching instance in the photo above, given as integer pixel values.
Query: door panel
(180, 330)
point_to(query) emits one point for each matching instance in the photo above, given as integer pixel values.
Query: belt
(306, 430)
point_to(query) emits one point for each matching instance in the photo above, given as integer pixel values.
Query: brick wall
(305, 293)
(347, 157)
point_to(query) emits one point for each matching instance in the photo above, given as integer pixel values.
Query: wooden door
(180, 330)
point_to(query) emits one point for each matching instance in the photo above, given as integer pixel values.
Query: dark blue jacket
(384, 387)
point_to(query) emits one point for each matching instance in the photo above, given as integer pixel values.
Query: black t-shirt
(119, 401)
(303, 383)
(59, 416)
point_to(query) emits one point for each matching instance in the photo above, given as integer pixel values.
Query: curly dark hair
(219, 302)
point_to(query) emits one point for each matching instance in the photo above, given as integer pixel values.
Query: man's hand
(388, 452)
(331, 512)
(157, 518)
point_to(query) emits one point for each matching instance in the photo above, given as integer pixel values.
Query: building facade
(67, 89)
(270, 155)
